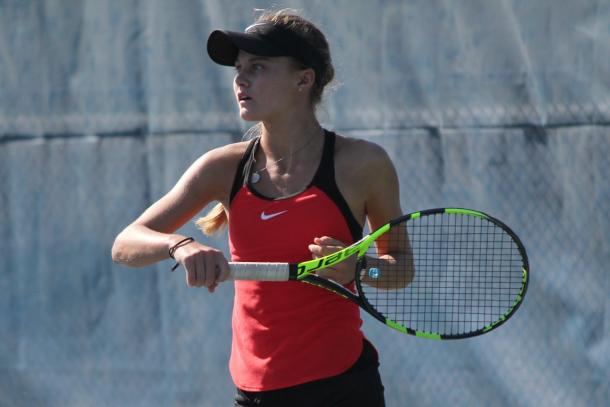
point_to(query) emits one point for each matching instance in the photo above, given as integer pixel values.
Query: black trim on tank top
(324, 179)
(243, 168)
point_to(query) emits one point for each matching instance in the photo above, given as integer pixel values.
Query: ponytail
(214, 221)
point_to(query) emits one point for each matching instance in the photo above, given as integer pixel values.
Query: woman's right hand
(204, 266)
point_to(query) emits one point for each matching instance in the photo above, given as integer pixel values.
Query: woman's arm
(367, 178)
(395, 259)
(148, 239)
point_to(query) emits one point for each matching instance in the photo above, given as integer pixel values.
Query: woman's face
(265, 87)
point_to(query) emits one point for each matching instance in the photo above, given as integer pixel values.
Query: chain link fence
(81, 331)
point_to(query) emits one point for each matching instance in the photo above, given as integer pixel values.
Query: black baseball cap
(264, 39)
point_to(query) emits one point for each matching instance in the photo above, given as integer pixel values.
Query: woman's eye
(250, 68)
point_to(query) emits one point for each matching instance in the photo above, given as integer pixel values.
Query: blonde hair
(216, 219)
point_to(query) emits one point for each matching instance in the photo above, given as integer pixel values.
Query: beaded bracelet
(178, 245)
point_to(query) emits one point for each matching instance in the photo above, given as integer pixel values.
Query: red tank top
(288, 333)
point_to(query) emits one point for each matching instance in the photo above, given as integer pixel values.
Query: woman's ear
(307, 78)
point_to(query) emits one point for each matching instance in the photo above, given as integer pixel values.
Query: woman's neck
(289, 153)
(280, 138)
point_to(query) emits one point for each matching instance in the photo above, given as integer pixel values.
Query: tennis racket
(445, 273)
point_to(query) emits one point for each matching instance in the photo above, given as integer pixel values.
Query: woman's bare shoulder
(360, 155)
(220, 161)
(367, 179)
(226, 154)
(213, 171)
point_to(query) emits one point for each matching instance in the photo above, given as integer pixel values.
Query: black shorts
(359, 386)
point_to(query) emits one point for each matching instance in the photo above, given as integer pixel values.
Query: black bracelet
(178, 245)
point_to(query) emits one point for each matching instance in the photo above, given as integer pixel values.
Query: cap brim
(223, 46)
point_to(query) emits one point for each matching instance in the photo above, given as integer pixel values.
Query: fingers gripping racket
(438, 274)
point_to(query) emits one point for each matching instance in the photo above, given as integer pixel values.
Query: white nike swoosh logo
(265, 216)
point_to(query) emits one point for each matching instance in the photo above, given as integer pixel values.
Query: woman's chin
(248, 116)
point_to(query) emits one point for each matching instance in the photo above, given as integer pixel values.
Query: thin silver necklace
(256, 175)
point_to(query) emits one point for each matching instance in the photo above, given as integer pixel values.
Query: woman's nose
(240, 80)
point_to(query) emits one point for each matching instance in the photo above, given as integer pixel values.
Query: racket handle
(259, 271)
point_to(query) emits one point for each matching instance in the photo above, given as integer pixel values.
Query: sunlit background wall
(501, 106)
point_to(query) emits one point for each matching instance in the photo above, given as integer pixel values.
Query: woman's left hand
(343, 272)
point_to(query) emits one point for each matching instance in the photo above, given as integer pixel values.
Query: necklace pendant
(255, 177)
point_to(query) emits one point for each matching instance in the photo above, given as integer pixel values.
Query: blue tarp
(498, 106)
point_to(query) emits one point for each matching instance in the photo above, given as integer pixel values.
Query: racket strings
(468, 274)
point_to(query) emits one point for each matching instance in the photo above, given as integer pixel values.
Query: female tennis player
(293, 192)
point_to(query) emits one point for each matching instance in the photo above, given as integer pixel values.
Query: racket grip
(259, 271)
